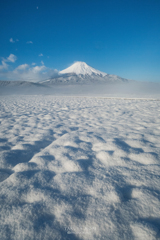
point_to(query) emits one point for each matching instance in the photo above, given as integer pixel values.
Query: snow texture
(79, 168)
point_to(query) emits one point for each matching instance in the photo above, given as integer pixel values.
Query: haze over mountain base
(83, 80)
(129, 90)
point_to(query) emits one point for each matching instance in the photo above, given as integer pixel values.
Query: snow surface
(79, 168)
(82, 68)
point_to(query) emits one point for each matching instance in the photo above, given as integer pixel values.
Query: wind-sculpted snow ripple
(79, 168)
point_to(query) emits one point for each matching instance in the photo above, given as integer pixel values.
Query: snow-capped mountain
(82, 68)
(81, 73)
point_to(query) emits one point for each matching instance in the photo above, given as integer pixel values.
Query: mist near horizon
(124, 90)
(81, 79)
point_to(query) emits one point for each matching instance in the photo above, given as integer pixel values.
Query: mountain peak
(82, 68)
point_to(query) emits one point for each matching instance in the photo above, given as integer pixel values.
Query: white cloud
(29, 73)
(11, 58)
(11, 40)
(22, 67)
(37, 69)
(24, 71)
(29, 42)
(3, 66)
(40, 55)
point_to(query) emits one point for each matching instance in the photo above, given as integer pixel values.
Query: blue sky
(119, 37)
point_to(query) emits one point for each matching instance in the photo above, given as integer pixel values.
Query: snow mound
(82, 68)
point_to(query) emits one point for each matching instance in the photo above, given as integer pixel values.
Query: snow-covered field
(79, 168)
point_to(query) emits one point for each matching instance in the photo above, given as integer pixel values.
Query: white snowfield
(79, 168)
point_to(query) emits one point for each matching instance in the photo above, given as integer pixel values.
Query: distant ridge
(19, 83)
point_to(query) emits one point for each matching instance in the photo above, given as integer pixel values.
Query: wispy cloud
(28, 73)
(24, 71)
(29, 42)
(22, 67)
(11, 40)
(11, 58)
(35, 74)
(40, 55)
(3, 66)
